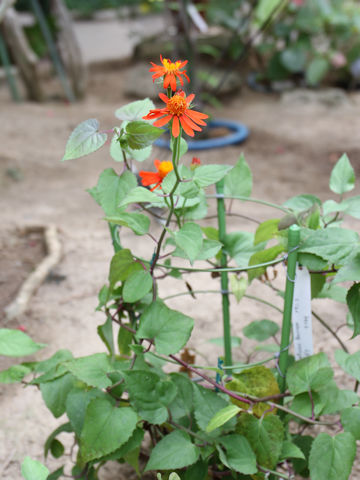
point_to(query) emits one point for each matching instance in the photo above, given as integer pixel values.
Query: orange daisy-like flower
(170, 71)
(178, 110)
(155, 178)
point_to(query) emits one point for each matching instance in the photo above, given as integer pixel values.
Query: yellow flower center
(170, 66)
(165, 168)
(177, 105)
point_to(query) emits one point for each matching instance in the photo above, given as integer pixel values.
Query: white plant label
(301, 314)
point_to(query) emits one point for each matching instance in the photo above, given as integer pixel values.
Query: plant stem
(175, 160)
(224, 276)
(329, 329)
(293, 241)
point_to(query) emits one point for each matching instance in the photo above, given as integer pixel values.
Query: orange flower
(151, 178)
(178, 110)
(170, 71)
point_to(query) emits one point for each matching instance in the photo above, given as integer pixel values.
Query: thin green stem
(276, 474)
(253, 200)
(224, 276)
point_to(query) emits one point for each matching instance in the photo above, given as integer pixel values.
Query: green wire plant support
(293, 242)
(224, 275)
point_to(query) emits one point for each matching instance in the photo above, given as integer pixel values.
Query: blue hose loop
(238, 133)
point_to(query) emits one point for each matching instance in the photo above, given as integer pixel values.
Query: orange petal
(175, 127)
(163, 97)
(172, 82)
(191, 123)
(190, 98)
(157, 163)
(149, 178)
(187, 129)
(162, 121)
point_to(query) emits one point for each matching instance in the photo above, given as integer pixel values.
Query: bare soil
(291, 150)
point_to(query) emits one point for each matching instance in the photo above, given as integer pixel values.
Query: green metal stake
(52, 50)
(293, 242)
(7, 66)
(224, 276)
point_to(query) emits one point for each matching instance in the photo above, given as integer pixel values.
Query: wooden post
(22, 55)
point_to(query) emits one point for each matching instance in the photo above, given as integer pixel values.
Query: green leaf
(310, 373)
(137, 222)
(336, 293)
(106, 334)
(240, 247)
(134, 110)
(199, 471)
(52, 444)
(238, 181)
(342, 178)
(350, 272)
(76, 405)
(174, 451)
(349, 363)
(290, 450)
(333, 244)
(141, 195)
(56, 474)
(266, 231)
(136, 286)
(351, 206)
(170, 329)
(54, 393)
(189, 239)
(206, 175)
(316, 70)
(294, 59)
(265, 8)
(263, 256)
(265, 436)
(207, 404)
(112, 428)
(238, 286)
(140, 134)
(150, 394)
(302, 202)
(14, 374)
(84, 139)
(15, 343)
(33, 470)
(304, 442)
(239, 455)
(111, 189)
(124, 341)
(209, 249)
(122, 266)
(92, 369)
(353, 303)
(331, 458)
(182, 405)
(317, 284)
(335, 400)
(222, 416)
(261, 330)
(350, 419)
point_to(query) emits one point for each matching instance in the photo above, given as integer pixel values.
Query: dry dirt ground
(291, 150)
